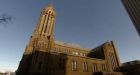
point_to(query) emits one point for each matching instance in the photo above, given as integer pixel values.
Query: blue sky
(88, 23)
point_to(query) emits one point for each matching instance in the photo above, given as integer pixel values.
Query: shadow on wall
(43, 63)
(107, 73)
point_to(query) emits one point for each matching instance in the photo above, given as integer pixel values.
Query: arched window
(94, 67)
(74, 65)
(85, 67)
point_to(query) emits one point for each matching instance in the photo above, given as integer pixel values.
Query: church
(46, 56)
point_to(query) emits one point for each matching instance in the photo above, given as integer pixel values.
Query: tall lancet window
(74, 65)
(48, 19)
(43, 23)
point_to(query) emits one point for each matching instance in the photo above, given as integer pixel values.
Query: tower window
(47, 23)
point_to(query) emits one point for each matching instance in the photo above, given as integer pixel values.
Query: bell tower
(40, 43)
(42, 38)
(46, 23)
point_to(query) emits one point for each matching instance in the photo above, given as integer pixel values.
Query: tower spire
(50, 5)
(44, 31)
(47, 21)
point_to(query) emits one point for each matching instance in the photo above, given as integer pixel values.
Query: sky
(88, 23)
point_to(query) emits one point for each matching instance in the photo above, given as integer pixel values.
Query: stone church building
(46, 56)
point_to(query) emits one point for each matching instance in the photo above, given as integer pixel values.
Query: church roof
(73, 45)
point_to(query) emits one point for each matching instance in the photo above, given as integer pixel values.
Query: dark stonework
(131, 68)
(24, 65)
(43, 63)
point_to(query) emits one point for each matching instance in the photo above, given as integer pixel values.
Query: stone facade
(46, 56)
